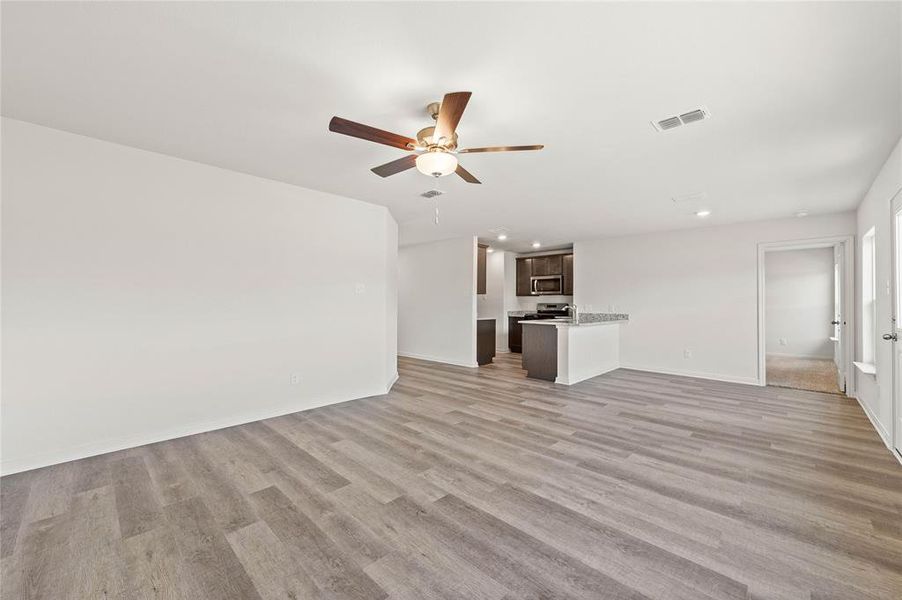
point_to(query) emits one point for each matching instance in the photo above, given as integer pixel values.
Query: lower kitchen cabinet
(514, 334)
(485, 341)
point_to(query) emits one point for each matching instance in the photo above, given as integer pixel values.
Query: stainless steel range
(549, 310)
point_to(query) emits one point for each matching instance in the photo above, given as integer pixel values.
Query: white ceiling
(805, 100)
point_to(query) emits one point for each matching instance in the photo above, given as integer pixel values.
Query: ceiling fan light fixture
(436, 163)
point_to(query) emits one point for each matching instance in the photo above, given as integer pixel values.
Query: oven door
(547, 285)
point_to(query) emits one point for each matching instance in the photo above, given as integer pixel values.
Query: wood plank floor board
(220, 495)
(14, 491)
(211, 563)
(155, 567)
(136, 502)
(270, 565)
(322, 560)
(480, 484)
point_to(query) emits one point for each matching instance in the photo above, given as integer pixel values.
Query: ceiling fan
(435, 148)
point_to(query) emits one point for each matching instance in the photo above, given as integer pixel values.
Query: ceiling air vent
(432, 194)
(692, 116)
(669, 123)
(699, 114)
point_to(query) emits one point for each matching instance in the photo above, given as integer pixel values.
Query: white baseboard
(36, 461)
(878, 427)
(696, 374)
(586, 375)
(875, 422)
(437, 359)
(391, 382)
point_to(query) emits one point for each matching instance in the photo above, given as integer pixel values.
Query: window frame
(869, 297)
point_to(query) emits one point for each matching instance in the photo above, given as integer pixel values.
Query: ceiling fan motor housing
(424, 138)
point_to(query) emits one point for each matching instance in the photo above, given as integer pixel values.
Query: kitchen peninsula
(565, 352)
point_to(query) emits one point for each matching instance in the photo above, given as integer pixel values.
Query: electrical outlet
(687, 353)
(294, 379)
(360, 288)
(782, 341)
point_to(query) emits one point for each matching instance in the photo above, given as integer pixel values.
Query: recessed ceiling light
(536, 245)
(802, 213)
(502, 236)
(702, 213)
(489, 249)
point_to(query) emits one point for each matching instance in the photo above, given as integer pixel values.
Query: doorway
(804, 297)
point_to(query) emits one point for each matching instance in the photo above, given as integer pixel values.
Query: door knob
(890, 336)
(834, 322)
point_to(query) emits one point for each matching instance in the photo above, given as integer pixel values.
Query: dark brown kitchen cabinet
(514, 334)
(524, 273)
(547, 265)
(543, 266)
(485, 341)
(568, 274)
(481, 257)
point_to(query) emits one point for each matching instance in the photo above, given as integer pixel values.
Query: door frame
(847, 243)
(895, 436)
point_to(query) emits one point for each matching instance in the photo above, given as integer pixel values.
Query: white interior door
(897, 321)
(839, 322)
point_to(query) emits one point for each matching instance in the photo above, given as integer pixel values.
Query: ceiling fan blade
(502, 148)
(365, 132)
(452, 109)
(466, 175)
(396, 166)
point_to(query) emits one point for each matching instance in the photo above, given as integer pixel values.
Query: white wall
(437, 301)
(391, 300)
(491, 305)
(875, 392)
(148, 297)
(799, 302)
(691, 291)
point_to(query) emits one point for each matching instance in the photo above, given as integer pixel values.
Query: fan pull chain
(435, 215)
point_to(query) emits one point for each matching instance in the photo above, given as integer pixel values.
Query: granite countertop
(517, 313)
(585, 319)
(485, 318)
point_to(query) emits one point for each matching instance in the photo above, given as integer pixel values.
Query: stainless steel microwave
(546, 285)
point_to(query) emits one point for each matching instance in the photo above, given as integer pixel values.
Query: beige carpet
(814, 374)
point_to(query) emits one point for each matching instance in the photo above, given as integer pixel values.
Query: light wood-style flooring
(481, 484)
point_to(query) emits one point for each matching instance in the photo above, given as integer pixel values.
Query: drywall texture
(147, 297)
(799, 302)
(692, 295)
(437, 301)
(876, 391)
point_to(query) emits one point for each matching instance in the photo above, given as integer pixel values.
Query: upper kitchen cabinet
(568, 274)
(524, 277)
(553, 271)
(481, 257)
(547, 265)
